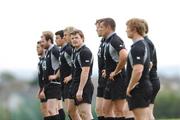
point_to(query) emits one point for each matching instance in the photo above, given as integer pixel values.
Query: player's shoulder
(69, 47)
(138, 46)
(85, 50)
(55, 48)
(149, 43)
(115, 39)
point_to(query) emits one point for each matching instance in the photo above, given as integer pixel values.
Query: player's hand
(52, 77)
(67, 79)
(129, 89)
(104, 73)
(111, 77)
(42, 95)
(79, 95)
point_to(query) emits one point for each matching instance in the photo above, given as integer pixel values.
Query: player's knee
(106, 111)
(85, 114)
(118, 111)
(44, 112)
(151, 116)
(43, 107)
(99, 110)
(52, 111)
(71, 108)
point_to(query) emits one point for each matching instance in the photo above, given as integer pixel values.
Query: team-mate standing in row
(40, 94)
(101, 75)
(65, 72)
(82, 87)
(139, 89)
(52, 88)
(153, 70)
(72, 109)
(115, 56)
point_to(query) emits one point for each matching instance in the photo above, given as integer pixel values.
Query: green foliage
(4, 113)
(167, 104)
(29, 109)
(34, 81)
(7, 76)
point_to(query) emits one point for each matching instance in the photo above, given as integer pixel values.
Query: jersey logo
(87, 61)
(121, 45)
(138, 58)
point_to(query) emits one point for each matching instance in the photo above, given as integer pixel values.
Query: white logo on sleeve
(121, 45)
(138, 58)
(87, 61)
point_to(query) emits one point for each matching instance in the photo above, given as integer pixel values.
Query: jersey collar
(103, 39)
(77, 50)
(136, 41)
(146, 37)
(107, 39)
(50, 47)
(111, 34)
(65, 44)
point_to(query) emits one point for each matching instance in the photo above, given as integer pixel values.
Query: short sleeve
(138, 55)
(55, 52)
(86, 58)
(118, 44)
(69, 51)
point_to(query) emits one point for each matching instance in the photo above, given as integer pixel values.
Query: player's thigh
(85, 110)
(71, 106)
(119, 104)
(141, 113)
(99, 102)
(52, 105)
(107, 105)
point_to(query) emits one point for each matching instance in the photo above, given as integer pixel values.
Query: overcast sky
(22, 21)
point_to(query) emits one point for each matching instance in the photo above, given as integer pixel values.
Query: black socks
(108, 118)
(101, 118)
(55, 117)
(129, 119)
(62, 114)
(112, 118)
(119, 118)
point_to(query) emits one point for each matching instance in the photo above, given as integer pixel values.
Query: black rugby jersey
(51, 63)
(153, 58)
(82, 58)
(65, 61)
(113, 45)
(40, 72)
(101, 64)
(139, 54)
